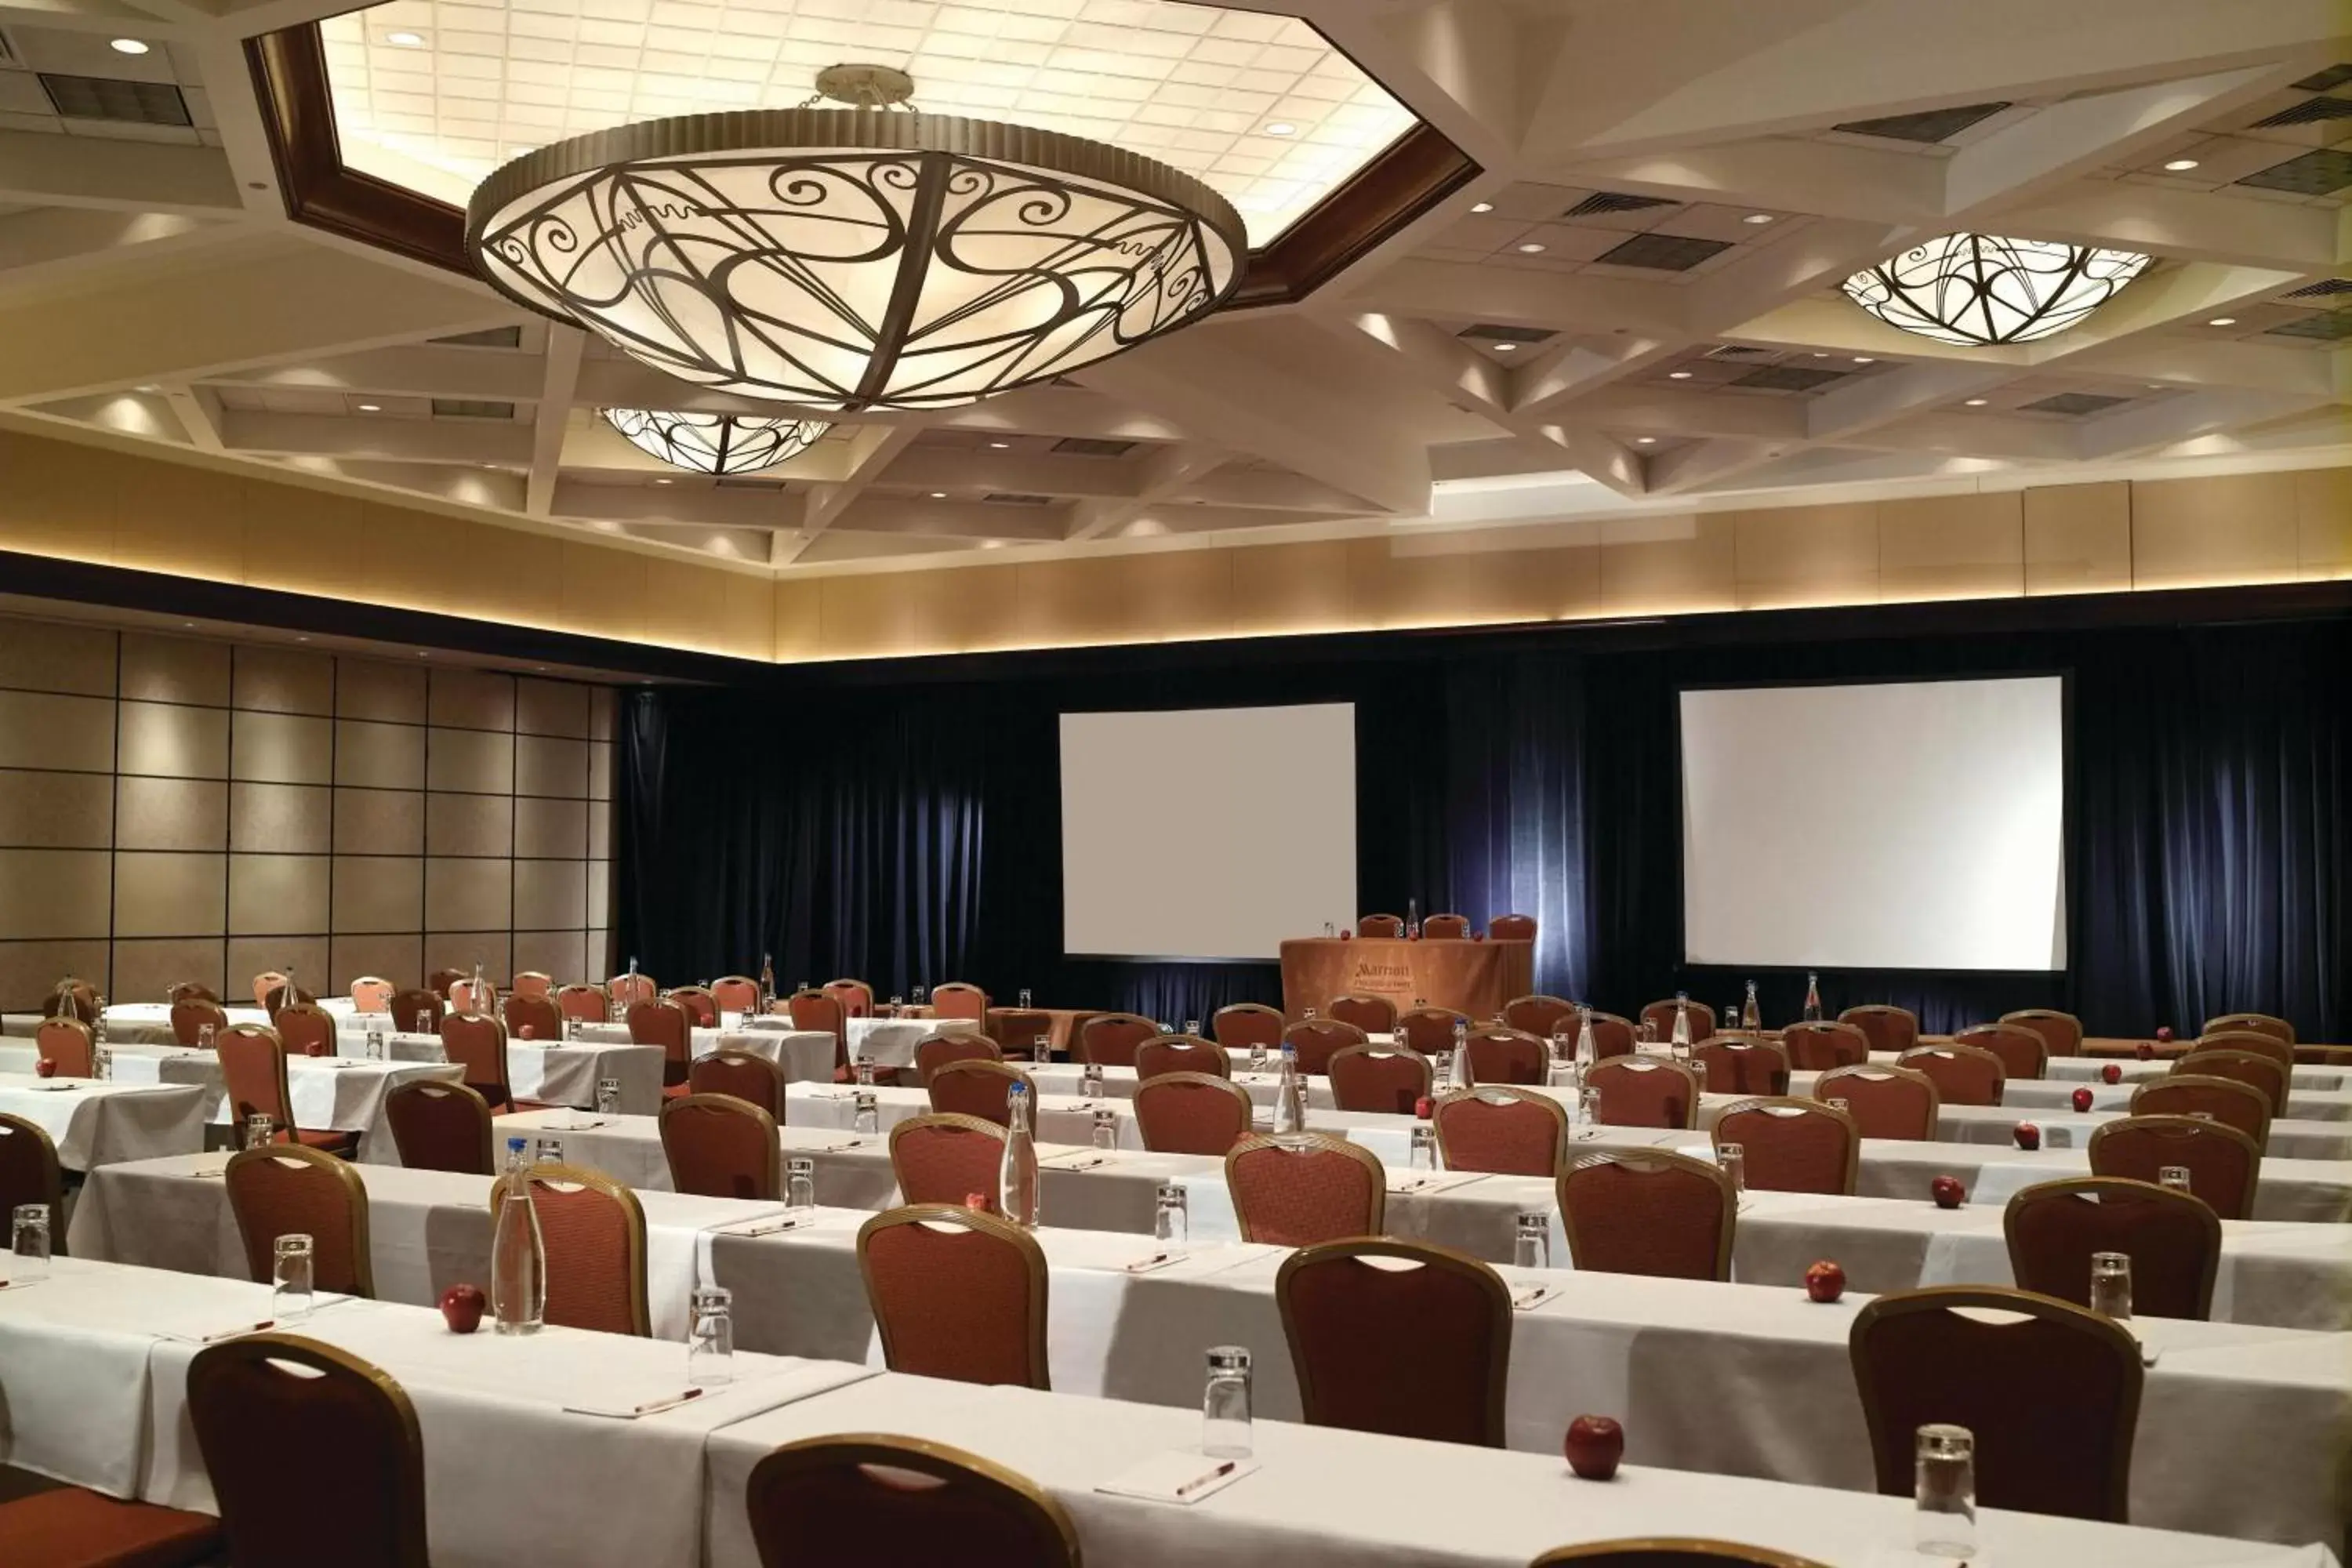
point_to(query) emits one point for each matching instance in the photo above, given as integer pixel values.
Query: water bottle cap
(1018, 1090)
(517, 1145)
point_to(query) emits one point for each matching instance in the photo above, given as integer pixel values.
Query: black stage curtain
(910, 834)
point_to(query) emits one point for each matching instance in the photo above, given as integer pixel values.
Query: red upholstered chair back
(1885, 1102)
(1511, 928)
(2173, 1239)
(1503, 1130)
(982, 1089)
(29, 1173)
(1444, 928)
(1297, 1189)
(1889, 1029)
(667, 1024)
(268, 981)
(1741, 1064)
(190, 1016)
(1792, 1145)
(1373, 1015)
(956, 1294)
(1024, 1032)
(594, 1234)
(1247, 1023)
(440, 980)
(465, 997)
(2260, 1073)
(824, 1501)
(1501, 1054)
(946, 1159)
(1819, 1047)
(1541, 1015)
(1380, 1078)
(700, 1006)
(721, 1147)
(747, 1076)
(533, 1017)
(2249, 1043)
(1190, 1113)
(586, 1002)
(197, 990)
(1182, 1053)
(816, 1010)
(2062, 1032)
(629, 989)
(1648, 1211)
(71, 999)
(370, 994)
(2255, 1022)
(941, 1049)
(478, 1043)
(1418, 1351)
(2023, 1053)
(1644, 1091)
(2227, 1100)
(440, 1126)
(68, 1043)
(1963, 1075)
(959, 999)
(407, 1004)
(340, 1476)
(253, 1075)
(1109, 1040)
(2223, 1164)
(1380, 925)
(307, 1029)
(534, 983)
(1660, 1016)
(735, 994)
(1317, 1040)
(286, 1189)
(2054, 1400)
(856, 998)
(1428, 1030)
(1611, 1036)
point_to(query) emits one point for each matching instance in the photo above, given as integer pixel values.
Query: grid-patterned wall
(177, 809)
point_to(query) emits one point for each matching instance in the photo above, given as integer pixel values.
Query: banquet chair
(1541, 1015)
(1888, 1027)
(900, 1502)
(1445, 928)
(817, 1011)
(1741, 1064)
(285, 1189)
(1501, 1054)
(441, 980)
(856, 998)
(2254, 1023)
(1190, 1113)
(532, 1017)
(2227, 1100)
(1380, 925)
(190, 1016)
(1503, 1131)
(280, 997)
(74, 1527)
(1819, 1045)
(1792, 1145)
(2223, 1164)
(465, 996)
(1511, 928)
(2173, 1239)
(1648, 1211)
(1180, 1053)
(663, 1022)
(1963, 1075)
(1885, 1102)
(534, 982)
(947, 1158)
(1109, 1039)
(313, 1455)
(982, 1089)
(81, 1000)
(197, 990)
(1295, 1189)
(1342, 1304)
(626, 989)
(593, 1232)
(478, 1043)
(935, 1053)
(2268, 1046)
(404, 1005)
(959, 999)
(733, 993)
(68, 1046)
(2023, 1053)
(29, 1172)
(307, 1029)
(2049, 1389)
(721, 1147)
(1660, 1016)
(1026, 1033)
(700, 1006)
(1428, 1030)
(252, 1076)
(1670, 1552)
(2061, 1032)
(1317, 1041)
(268, 981)
(586, 1002)
(2259, 1073)
(1373, 1015)
(956, 1294)
(369, 993)
(1644, 1091)
(746, 1075)
(1243, 1025)
(440, 1126)
(1388, 1080)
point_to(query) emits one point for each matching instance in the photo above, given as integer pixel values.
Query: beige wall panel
(600, 712)
(279, 680)
(524, 571)
(600, 954)
(55, 811)
(50, 656)
(600, 771)
(604, 592)
(600, 892)
(29, 971)
(2078, 538)
(304, 956)
(2323, 509)
(469, 825)
(379, 822)
(928, 612)
(57, 500)
(270, 894)
(53, 893)
(369, 688)
(399, 959)
(550, 767)
(376, 893)
(748, 627)
(2235, 527)
(282, 748)
(561, 953)
(146, 971)
(1669, 565)
(69, 734)
(171, 814)
(1807, 556)
(414, 560)
(551, 829)
(473, 699)
(1077, 601)
(174, 742)
(280, 819)
(1290, 588)
(169, 895)
(186, 521)
(599, 829)
(1474, 586)
(551, 707)
(1173, 597)
(683, 604)
(800, 618)
(481, 761)
(469, 895)
(463, 949)
(550, 894)
(308, 541)
(379, 756)
(175, 669)
(1952, 547)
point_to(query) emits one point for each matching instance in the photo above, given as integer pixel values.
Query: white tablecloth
(332, 1092)
(95, 1123)
(2091, 1070)
(805, 1055)
(559, 1073)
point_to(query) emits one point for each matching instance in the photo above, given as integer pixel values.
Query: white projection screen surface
(1895, 825)
(1207, 832)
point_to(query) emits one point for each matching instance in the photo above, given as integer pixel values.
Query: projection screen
(1895, 826)
(1207, 833)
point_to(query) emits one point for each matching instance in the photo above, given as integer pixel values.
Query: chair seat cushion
(72, 1527)
(677, 1090)
(331, 1140)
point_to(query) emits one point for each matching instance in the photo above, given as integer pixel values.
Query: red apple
(461, 1307)
(1347, 936)
(2163, 1033)
(1595, 1443)
(1825, 1281)
(2082, 1100)
(1947, 1192)
(530, 1031)
(976, 1202)
(44, 1068)
(2111, 1073)
(2029, 1137)
(2144, 1051)
(1424, 1108)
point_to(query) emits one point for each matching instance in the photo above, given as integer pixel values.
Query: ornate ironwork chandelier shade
(1974, 289)
(716, 443)
(845, 260)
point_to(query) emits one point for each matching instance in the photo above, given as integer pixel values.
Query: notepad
(1179, 1476)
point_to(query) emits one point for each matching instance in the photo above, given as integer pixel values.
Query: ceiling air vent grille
(1015, 498)
(747, 482)
(1787, 378)
(471, 409)
(1615, 202)
(1737, 352)
(2318, 172)
(1933, 125)
(1496, 333)
(125, 102)
(1092, 446)
(2322, 326)
(1662, 252)
(2327, 288)
(2334, 77)
(490, 338)
(2073, 402)
(2310, 111)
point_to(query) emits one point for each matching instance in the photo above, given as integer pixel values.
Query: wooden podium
(1472, 977)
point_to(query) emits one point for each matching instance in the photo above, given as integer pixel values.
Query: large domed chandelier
(1976, 290)
(716, 443)
(853, 259)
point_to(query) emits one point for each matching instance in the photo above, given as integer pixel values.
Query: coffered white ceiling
(1699, 178)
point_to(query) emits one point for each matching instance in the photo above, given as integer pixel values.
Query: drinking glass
(800, 1184)
(1105, 1128)
(549, 1152)
(1441, 1069)
(710, 1342)
(1588, 1111)
(1733, 1158)
(375, 1044)
(865, 1069)
(101, 1063)
(1844, 1105)
(1532, 1248)
(260, 1130)
(1257, 1058)
(2111, 1284)
(571, 1027)
(1943, 1519)
(1309, 1016)
(1090, 1080)
(1422, 1154)
(1173, 1221)
(29, 1241)
(868, 1107)
(204, 1036)
(1225, 1405)
(897, 1007)
(292, 1297)
(608, 1096)
(424, 1021)
(2173, 1176)
(1024, 999)
(1731, 1020)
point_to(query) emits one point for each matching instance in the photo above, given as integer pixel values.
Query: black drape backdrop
(910, 833)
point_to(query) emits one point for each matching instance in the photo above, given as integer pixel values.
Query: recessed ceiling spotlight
(939, 495)
(1482, 207)
(1678, 375)
(1000, 446)
(1281, 127)
(1758, 218)
(2179, 165)
(1530, 248)
(664, 481)
(2222, 321)
(371, 407)
(1820, 353)
(301, 640)
(1505, 348)
(406, 41)
(1978, 402)
(1645, 440)
(1864, 359)
(128, 46)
